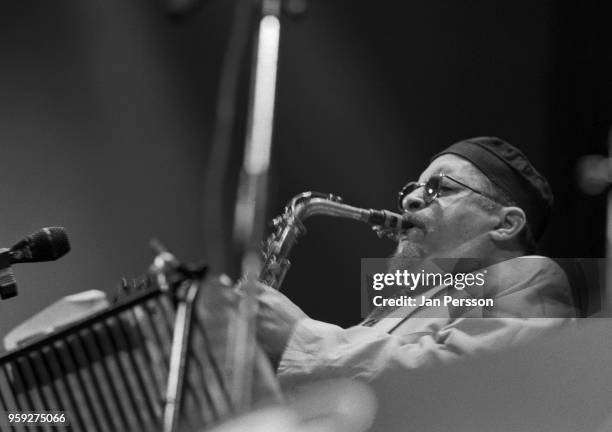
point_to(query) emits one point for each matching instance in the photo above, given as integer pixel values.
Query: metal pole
(250, 217)
(178, 357)
(251, 204)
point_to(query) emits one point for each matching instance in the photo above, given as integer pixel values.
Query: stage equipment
(155, 361)
(253, 178)
(252, 196)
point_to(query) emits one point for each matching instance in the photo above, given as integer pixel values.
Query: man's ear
(511, 221)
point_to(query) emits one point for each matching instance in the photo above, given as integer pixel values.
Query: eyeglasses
(431, 189)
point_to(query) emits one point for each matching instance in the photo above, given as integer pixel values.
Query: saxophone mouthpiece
(389, 220)
(388, 224)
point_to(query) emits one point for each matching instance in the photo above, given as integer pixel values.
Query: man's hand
(276, 319)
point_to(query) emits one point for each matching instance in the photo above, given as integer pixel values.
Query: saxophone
(289, 226)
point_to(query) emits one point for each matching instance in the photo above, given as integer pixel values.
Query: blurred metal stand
(250, 213)
(595, 177)
(249, 221)
(251, 204)
(216, 214)
(217, 224)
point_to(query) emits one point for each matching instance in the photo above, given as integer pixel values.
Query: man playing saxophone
(479, 199)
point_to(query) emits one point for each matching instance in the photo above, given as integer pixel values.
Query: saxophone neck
(380, 220)
(290, 226)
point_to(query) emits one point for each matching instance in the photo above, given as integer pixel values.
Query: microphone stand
(252, 200)
(250, 212)
(251, 203)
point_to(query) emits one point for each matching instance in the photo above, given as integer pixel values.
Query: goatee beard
(407, 256)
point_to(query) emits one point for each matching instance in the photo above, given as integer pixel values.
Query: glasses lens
(432, 189)
(406, 190)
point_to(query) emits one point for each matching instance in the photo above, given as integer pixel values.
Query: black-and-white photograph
(306, 215)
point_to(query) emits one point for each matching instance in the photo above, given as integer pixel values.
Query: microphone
(46, 244)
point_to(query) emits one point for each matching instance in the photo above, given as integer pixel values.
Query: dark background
(107, 112)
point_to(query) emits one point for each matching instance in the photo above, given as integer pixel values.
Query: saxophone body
(289, 226)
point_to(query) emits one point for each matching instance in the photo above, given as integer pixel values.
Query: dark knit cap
(508, 168)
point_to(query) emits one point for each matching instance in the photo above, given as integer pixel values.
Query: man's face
(455, 224)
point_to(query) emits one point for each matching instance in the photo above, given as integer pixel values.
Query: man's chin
(408, 249)
(406, 256)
